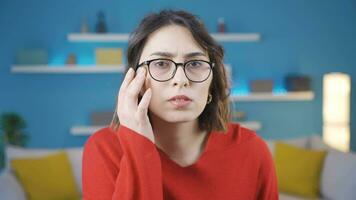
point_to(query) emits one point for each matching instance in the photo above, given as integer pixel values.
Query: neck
(182, 141)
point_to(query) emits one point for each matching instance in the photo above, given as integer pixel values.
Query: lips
(180, 101)
(180, 97)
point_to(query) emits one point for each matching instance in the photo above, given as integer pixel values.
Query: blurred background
(296, 37)
(59, 74)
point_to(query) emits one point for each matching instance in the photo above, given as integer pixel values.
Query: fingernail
(130, 70)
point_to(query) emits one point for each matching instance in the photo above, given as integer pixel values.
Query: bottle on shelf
(101, 25)
(221, 25)
(71, 59)
(84, 27)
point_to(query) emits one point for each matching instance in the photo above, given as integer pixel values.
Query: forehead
(174, 39)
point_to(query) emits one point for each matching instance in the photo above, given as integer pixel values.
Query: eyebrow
(170, 55)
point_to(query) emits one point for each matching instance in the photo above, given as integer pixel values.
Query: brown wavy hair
(216, 114)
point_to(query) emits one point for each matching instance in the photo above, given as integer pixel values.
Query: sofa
(10, 186)
(337, 182)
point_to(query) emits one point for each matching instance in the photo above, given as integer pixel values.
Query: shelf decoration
(108, 56)
(246, 96)
(101, 24)
(31, 57)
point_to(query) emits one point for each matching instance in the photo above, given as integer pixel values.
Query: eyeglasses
(164, 69)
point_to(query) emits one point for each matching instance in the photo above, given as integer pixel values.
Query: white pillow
(13, 152)
(316, 143)
(270, 145)
(338, 180)
(10, 188)
(299, 142)
(75, 156)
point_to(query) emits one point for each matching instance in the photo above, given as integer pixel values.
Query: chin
(178, 116)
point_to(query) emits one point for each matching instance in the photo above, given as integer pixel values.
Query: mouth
(180, 101)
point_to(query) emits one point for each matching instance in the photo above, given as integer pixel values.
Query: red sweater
(124, 165)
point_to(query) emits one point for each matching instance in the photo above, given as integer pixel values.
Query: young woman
(170, 137)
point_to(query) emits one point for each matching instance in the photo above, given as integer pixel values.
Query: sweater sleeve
(268, 185)
(136, 175)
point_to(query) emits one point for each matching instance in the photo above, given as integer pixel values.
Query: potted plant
(11, 125)
(2, 153)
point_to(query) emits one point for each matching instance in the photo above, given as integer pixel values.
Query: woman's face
(176, 43)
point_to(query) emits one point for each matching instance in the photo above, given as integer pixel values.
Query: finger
(143, 105)
(137, 83)
(128, 77)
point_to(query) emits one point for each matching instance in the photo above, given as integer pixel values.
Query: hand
(132, 114)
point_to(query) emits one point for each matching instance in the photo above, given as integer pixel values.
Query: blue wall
(298, 36)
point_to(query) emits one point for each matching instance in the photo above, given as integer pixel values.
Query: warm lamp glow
(337, 136)
(336, 110)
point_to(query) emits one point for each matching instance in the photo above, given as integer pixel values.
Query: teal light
(58, 60)
(85, 60)
(242, 88)
(279, 87)
(239, 92)
(279, 90)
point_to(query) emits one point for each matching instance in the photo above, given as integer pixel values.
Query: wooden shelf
(89, 130)
(268, 96)
(67, 69)
(124, 37)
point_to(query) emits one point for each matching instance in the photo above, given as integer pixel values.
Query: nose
(180, 79)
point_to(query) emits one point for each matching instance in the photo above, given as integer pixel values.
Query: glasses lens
(197, 70)
(161, 69)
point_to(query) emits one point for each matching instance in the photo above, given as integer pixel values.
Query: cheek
(155, 89)
(203, 95)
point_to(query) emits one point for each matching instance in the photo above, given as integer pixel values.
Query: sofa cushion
(10, 188)
(298, 169)
(13, 152)
(339, 176)
(49, 177)
(299, 142)
(74, 154)
(316, 142)
(283, 196)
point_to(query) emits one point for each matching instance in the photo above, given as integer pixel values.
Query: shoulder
(252, 143)
(236, 134)
(102, 136)
(103, 141)
(241, 137)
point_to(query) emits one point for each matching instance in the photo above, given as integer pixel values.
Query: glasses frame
(211, 65)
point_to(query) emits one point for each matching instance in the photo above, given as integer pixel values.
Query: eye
(194, 64)
(161, 63)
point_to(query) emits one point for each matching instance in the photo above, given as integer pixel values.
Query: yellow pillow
(298, 169)
(48, 177)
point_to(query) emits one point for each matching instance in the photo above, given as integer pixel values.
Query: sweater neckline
(201, 157)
